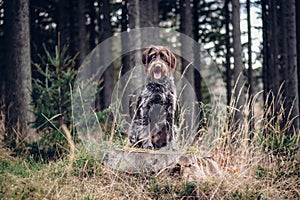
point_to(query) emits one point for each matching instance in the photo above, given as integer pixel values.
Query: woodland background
(43, 42)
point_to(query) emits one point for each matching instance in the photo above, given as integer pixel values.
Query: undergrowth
(262, 168)
(258, 157)
(84, 177)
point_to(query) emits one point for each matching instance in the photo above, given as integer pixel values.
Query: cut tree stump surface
(139, 161)
(190, 165)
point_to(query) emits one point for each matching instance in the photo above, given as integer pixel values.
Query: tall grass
(262, 166)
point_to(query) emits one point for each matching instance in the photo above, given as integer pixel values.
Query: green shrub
(51, 100)
(51, 93)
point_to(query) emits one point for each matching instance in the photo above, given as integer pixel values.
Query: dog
(159, 65)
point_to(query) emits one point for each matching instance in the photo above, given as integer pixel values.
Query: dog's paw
(147, 145)
(132, 139)
(159, 140)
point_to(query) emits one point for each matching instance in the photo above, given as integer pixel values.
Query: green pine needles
(51, 94)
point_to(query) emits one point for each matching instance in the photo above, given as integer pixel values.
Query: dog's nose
(158, 66)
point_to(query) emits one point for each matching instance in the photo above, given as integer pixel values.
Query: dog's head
(159, 62)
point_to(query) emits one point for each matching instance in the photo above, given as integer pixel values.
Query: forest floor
(81, 176)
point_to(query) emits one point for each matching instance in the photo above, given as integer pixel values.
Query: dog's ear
(173, 62)
(145, 56)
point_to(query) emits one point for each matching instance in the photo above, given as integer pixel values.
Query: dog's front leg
(170, 123)
(140, 130)
(170, 120)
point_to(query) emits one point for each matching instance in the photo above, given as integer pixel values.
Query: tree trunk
(92, 25)
(228, 53)
(238, 76)
(270, 50)
(250, 82)
(2, 78)
(79, 29)
(72, 28)
(124, 38)
(106, 54)
(273, 28)
(186, 50)
(290, 67)
(298, 55)
(149, 17)
(298, 43)
(266, 87)
(63, 22)
(18, 69)
(249, 48)
(198, 78)
(133, 13)
(2, 66)
(133, 7)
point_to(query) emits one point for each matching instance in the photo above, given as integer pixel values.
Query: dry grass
(261, 168)
(25, 179)
(87, 179)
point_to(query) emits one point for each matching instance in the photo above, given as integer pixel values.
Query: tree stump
(188, 165)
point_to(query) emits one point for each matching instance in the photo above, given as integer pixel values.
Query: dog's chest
(159, 93)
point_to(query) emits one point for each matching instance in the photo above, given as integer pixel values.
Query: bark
(142, 13)
(2, 67)
(283, 43)
(250, 82)
(18, 71)
(269, 55)
(35, 33)
(298, 42)
(2, 78)
(291, 79)
(106, 54)
(186, 50)
(63, 22)
(275, 81)
(78, 29)
(265, 48)
(249, 48)
(197, 75)
(267, 61)
(133, 13)
(124, 38)
(228, 53)
(149, 17)
(133, 7)
(238, 76)
(92, 25)
(73, 33)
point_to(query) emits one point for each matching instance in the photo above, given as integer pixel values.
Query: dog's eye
(164, 58)
(152, 57)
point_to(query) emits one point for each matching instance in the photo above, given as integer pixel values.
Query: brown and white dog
(160, 64)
